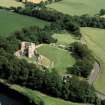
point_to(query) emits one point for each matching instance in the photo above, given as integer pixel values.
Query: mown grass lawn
(61, 58)
(36, 96)
(78, 7)
(10, 3)
(64, 38)
(10, 22)
(95, 39)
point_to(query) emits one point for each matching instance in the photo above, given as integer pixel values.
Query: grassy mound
(95, 39)
(11, 22)
(64, 38)
(78, 7)
(61, 58)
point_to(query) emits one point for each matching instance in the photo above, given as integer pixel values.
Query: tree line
(90, 21)
(84, 60)
(64, 22)
(20, 72)
(70, 23)
(39, 78)
(36, 35)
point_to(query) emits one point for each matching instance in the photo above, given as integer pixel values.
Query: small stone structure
(27, 49)
(42, 60)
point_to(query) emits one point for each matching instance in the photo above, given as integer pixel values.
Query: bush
(81, 51)
(81, 68)
(85, 60)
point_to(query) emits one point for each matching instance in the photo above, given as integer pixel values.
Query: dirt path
(96, 67)
(37, 46)
(93, 77)
(94, 73)
(100, 95)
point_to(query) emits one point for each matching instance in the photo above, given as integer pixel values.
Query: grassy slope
(60, 57)
(96, 41)
(35, 95)
(64, 38)
(11, 22)
(9, 3)
(78, 7)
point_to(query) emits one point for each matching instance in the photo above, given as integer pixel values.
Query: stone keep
(28, 49)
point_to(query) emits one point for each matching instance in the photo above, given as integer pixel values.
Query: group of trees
(67, 22)
(90, 21)
(80, 51)
(81, 68)
(35, 77)
(85, 60)
(36, 35)
(102, 12)
(64, 22)
(10, 44)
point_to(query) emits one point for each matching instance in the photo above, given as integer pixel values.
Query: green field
(61, 58)
(11, 22)
(35, 95)
(64, 38)
(79, 7)
(10, 3)
(95, 39)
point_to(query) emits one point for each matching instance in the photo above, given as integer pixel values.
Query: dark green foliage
(103, 102)
(79, 90)
(80, 51)
(81, 68)
(38, 6)
(102, 12)
(89, 21)
(36, 35)
(35, 77)
(85, 60)
(10, 44)
(61, 20)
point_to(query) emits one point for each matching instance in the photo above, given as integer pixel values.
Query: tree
(103, 102)
(80, 51)
(81, 68)
(102, 12)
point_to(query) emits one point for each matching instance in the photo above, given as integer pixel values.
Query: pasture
(36, 96)
(10, 22)
(95, 39)
(64, 38)
(10, 3)
(78, 7)
(61, 58)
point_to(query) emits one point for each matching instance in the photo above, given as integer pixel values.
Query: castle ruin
(27, 49)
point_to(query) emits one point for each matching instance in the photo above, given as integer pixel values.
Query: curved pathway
(100, 95)
(94, 73)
